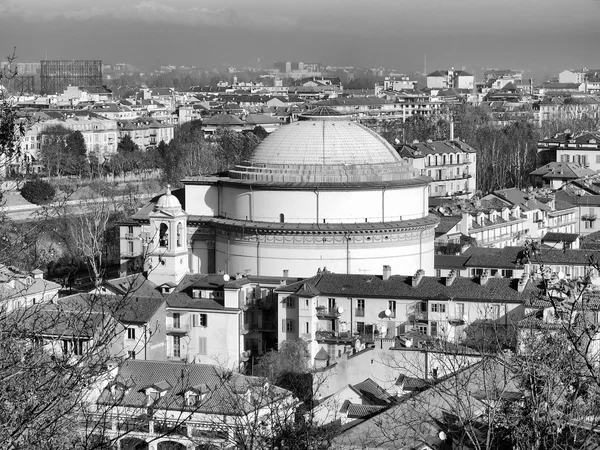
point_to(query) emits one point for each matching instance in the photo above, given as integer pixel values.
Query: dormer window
(191, 398)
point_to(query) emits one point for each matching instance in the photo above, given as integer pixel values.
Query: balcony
(359, 312)
(588, 217)
(416, 314)
(456, 319)
(180, 328)
(129, 236)
(324, 312)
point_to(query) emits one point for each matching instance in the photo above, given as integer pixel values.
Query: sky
(541, 35)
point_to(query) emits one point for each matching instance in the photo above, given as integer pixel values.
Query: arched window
(163, 235)
(179, 227)
(451, 159)
(281, 218)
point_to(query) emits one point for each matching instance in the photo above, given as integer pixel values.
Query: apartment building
(332, 311)
(452, 164)
(446, 79)
(146, 132)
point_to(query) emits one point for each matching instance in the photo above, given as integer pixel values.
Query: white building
(322, 192)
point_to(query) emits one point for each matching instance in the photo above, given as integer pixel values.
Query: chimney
(416, 279)
(285, 273)
(450, 278)
(485, 276)
(522, 282)
(387, 272)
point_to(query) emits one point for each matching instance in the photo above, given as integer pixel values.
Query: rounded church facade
(324, 192)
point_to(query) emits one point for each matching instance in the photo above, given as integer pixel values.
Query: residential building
(555, 175)
(153, 405)
(445, 79)
(452, 164)
(583, 149)
(331, 311)
(146, 132)
(490, 223)
(20, 289)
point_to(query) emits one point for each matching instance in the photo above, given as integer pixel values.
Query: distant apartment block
(452, 165)
(495, 74)
(446, 79)
(56, 75)
(583, 149)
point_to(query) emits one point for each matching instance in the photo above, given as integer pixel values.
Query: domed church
(323, 192)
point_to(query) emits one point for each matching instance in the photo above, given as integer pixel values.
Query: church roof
(324, 147)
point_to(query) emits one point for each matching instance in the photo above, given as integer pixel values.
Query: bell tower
(167, 257)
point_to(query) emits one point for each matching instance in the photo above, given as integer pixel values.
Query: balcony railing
(359, 312)
(456, 319)
(588, 217)
(328, 313)
(180, 328)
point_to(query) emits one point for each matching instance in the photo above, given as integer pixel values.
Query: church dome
(324, 146)
(168, 201)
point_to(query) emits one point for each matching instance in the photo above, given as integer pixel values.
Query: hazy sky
(538, 34)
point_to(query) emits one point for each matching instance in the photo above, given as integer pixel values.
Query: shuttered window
(202, 346)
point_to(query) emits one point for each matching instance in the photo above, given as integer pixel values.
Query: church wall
(201, 200)
(312, 206)
(303, 255)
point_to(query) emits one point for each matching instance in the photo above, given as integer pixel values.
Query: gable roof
(225, 391)
(370, 286)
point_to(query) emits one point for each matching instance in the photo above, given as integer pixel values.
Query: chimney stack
(450, 278)
(485, 276)
(387, 272)
(522, 282)
(416, 279)
(285, 273)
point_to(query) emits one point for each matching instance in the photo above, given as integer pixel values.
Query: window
(200, 320)
(305, 304)
(438, 273)
(307, 327)
(179, 228)
(493, 312)
(597, 159)
(163, 235)
(281, 218)
(507, 273)
(191, 399)
(130, 229)
(288, 302)
(422, 329)
(360, 327)
(459, 310)
(331, 303)
(287, 325)
(130, 333)
(434, 328)
(176, 320)
(438, 307)
(131, 354)
(360, 307)
(130, 247)
(202, 346)
(177, 346)
(392, 307)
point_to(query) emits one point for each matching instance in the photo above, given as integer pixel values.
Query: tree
(127, 145)
(77, 153)
(38, 191)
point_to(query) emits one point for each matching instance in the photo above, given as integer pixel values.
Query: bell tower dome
(168, 260)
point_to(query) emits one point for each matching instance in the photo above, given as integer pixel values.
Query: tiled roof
(224, 120)
(225, 392)
(560, 237)
(526, 201)
(361, 411)
(374, 393)
(450, 261)
(134, 285)
(446, 224)
(562, 170)
(371, 286)
(180, 300)
(412, 383)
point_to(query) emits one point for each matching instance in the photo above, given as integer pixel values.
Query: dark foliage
(38, 191)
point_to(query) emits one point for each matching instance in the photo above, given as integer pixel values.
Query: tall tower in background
(56, 75)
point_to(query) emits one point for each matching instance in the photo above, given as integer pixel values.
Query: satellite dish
(340, 310)
(561, 275)
(388, 312)
(226, 277)
(442, 436)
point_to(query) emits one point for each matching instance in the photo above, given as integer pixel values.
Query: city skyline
(396, 34)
